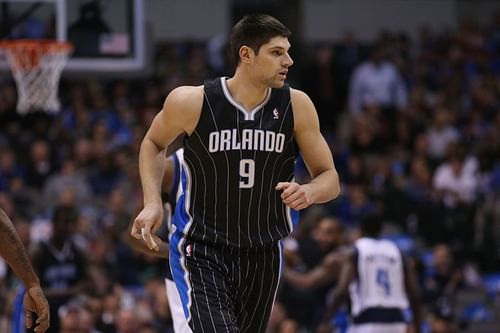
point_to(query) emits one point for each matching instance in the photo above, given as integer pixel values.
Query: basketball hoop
(36, 66)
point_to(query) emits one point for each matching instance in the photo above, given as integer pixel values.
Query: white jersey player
(381, 285)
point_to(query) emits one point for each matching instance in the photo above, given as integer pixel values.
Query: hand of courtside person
(35, 302)
(146, 223)
(324, 328)
(294, 195)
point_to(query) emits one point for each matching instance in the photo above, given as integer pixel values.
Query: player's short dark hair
(371, 225)
(254, 31)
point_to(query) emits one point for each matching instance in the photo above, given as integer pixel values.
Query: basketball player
(170, 189)
(380, 283)
(12, 249)
(242, 135)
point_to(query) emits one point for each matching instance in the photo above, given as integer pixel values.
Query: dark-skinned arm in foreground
(13, 251)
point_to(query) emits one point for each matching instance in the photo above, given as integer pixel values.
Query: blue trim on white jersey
(179, 271)
(182, 220)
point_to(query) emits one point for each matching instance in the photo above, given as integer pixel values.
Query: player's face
(272, 62)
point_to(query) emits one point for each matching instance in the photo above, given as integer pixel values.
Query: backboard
(107, 35)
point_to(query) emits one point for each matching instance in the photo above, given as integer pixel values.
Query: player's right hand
(35, 302)
(145, 225)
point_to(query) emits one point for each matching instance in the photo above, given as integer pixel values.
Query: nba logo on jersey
(276, 114)
(189, 250)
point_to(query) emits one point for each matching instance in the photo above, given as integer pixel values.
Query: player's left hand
(294, 195)
(35, 302)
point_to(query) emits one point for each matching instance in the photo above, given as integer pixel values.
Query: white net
(37, 67)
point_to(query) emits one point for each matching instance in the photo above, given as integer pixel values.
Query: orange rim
(27, 52)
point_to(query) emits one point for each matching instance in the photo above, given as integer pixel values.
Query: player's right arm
(179, 115)
(12, 249)
(167, 186)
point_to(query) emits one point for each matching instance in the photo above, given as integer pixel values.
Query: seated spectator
(444, 277)
(440, 134)
(10, 168)
(75, 318)
(377, 82)
(41, 164)
(68, 178)
(455, 182)
(127, 321)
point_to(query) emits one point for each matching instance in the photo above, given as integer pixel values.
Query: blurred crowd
(414, 125)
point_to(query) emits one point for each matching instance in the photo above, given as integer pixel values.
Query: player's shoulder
(186, 93)
(300, 100)
(185, 98)
(298, 95)
(304, 112)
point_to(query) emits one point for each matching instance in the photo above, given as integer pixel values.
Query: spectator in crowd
(41, 164)
(455, 182)
(127, 321)
(444, 276)
(60, 265)
(376, 82)
(440, 134)
(67, 179)
(320, 83)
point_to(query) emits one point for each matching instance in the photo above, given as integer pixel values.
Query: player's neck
(246, 92)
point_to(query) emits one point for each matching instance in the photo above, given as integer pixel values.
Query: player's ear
(246, 54)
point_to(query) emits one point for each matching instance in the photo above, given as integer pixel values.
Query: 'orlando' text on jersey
(233, 161)
(251, 139)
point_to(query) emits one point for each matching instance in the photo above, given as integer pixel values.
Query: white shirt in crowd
(372, 84)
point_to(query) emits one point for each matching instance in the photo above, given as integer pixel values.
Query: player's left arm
(325, 184)
(412, 290)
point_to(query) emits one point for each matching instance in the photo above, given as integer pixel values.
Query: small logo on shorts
(276, 114)
(189, 250)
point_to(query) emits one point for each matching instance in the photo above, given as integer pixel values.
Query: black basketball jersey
(60, 269)
(233, 161)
